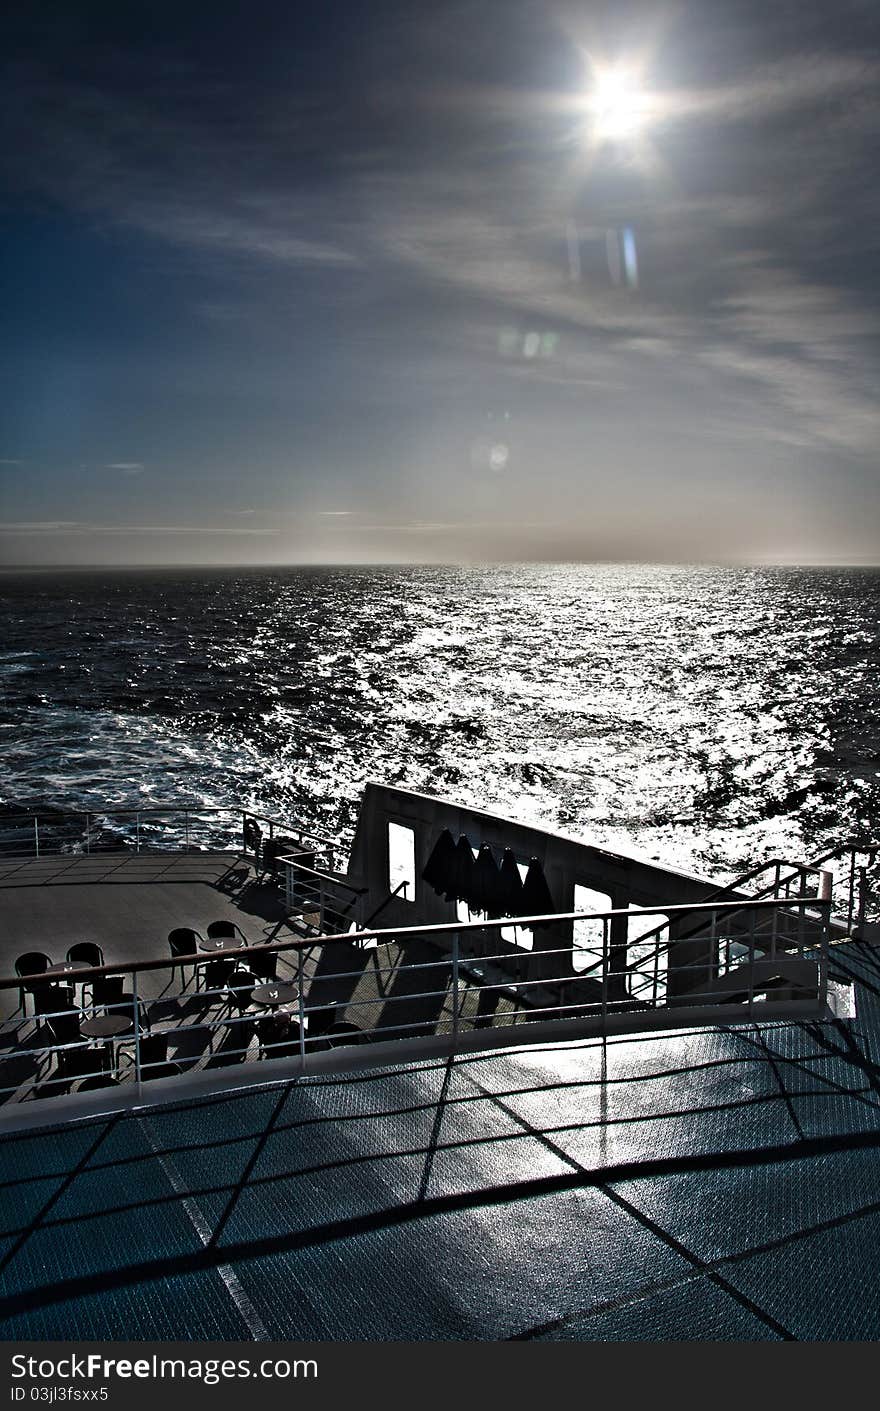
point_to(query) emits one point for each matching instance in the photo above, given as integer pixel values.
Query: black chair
(155, 1062)
(107, 991)
(278, 1035)
(183, 942)
(240, 986)
(92, 1065)
(321, 1019)
(233, 1049)
(87, 953)
(99, 1080)
(58, 1001)
(343, 1033)
(33, 962)
(48, 999)
(263, 964)
(65, 1028)
(219, 930)
(216, 973)
(125, 1005)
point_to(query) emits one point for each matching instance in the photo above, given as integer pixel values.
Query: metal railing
(859, 887)
(325, 901)
(156, 828)
(476, 991)
(789, 881)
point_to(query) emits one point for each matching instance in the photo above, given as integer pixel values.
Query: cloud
(437, 209)
(5, 461)
(71, 526)
(39, 526)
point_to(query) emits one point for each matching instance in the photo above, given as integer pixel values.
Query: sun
(618, 105)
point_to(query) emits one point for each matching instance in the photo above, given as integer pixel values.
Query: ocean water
(706, 717)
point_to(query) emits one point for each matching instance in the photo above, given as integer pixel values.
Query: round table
(105, 1026)
(67, 967)
(222, 943)
(274, 994)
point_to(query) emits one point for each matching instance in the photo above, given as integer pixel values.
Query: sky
(449, 281)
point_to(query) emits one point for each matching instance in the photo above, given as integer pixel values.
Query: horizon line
(441, 563)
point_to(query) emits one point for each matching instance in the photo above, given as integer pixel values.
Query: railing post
(302, 1010)
(137, 1031)
(88, 835)
(852, 891)
(752, 960)
(802, 910)
(36, 836)
(605, 944)
(863, 899)
(774, 929)
(713, 942)
(137, 831)
(454, 991)
(186, 828)
(824, 890)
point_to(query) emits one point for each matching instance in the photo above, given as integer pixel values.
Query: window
(402, 860)
(648, 957)
(588, 934)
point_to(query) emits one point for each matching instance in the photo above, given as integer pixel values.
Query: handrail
(401, 887)
(57, 820)
(330, 877)
(793, 985)
(771, 890)
(382, 934)
(291, 827)
(839, 849)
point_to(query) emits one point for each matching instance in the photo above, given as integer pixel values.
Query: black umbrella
(536, 898)
(440, 867)
(510, 886)
(487, 882)
(463, 872)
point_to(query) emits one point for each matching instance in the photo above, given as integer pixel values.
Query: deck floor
(128, 904)
(707, 1184)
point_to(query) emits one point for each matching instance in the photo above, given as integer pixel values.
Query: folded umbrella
(463, 873)
(536, 898)
(440, 867)
(486, 882)
(510, 886)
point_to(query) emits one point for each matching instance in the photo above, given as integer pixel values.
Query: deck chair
(33, 962)
(278, 1036)
(218, 929)
(92, 1065)
(240, 986)
(155, 1062)
(183, 941)
(88, 953)
(263, 964)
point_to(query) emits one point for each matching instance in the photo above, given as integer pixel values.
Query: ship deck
(706, 1184)
(128, 903)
